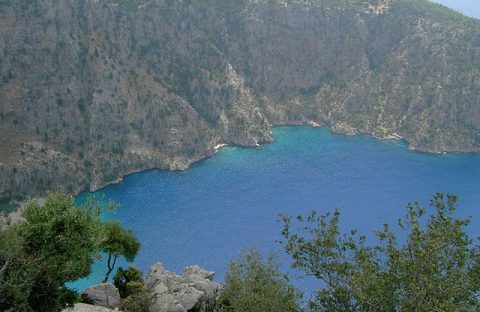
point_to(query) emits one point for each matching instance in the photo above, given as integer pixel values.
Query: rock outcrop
(94, 90)
(103, 295)
(193, 291)
(82, 307)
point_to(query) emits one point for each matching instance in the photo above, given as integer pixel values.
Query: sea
(231, 201)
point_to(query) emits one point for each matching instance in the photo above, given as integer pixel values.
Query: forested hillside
(93, 90)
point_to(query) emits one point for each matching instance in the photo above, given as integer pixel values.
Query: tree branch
(4, 268)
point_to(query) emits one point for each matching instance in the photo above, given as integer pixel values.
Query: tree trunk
(110, 266)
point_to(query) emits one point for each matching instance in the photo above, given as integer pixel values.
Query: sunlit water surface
(208, 213)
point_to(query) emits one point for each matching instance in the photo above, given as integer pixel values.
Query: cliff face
(93, 90)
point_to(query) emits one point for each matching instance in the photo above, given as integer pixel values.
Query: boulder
(81, 307)
(103, 295)
(194, 290)
(166, 303)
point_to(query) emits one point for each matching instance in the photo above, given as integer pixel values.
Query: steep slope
(93, 90)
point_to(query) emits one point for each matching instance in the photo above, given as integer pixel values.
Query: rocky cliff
(93, 90)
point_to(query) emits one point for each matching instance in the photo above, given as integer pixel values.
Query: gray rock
(195, 270)
(194, 290)
(166, 303)
(81, 307)
(189, 297)
(104, 295)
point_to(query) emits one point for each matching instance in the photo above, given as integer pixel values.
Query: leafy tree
(437, 268)
(253, 284)
(117, 241)
(56, 243)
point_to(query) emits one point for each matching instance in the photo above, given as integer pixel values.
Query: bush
(139, 301)
(128, 281)
(130, 285)
(255, 285)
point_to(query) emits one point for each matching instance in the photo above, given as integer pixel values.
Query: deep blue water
(207, 213)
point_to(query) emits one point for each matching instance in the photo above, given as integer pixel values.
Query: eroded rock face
(104, 295)
(194, 290)
(91, 90)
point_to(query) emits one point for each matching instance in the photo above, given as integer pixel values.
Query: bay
(208, 213)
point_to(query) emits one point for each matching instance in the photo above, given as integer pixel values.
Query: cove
(208, 213)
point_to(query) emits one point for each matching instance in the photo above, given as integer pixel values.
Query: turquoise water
(207, 214)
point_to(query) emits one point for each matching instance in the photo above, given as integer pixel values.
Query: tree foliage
(435, 269)
(253, 284)
(55, 243)
(132, 291)
(127, 281)
(117, 241)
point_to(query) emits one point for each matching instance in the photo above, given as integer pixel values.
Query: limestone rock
(194, 290)
(82, 307)
(197, 271)
(104, 295)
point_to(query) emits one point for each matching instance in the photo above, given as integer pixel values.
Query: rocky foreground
(193, 291)
(94, 90)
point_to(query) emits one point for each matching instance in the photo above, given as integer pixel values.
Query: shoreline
(92, 188)
(309, 124)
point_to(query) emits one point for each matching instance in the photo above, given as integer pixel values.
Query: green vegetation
(130, 285)
(255, 285)
(229, 7)
(139, 301)
(127, 281)
(231, 10)
(117, 241)
(436, 269)
(56, 243)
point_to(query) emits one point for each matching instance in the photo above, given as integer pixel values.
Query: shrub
(255, 285)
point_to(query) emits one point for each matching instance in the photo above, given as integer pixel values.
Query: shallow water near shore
(208, 213)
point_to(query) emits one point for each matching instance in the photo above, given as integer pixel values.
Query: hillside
(93, 90)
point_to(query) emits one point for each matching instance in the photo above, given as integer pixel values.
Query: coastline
(253, 183)
(182, 164)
